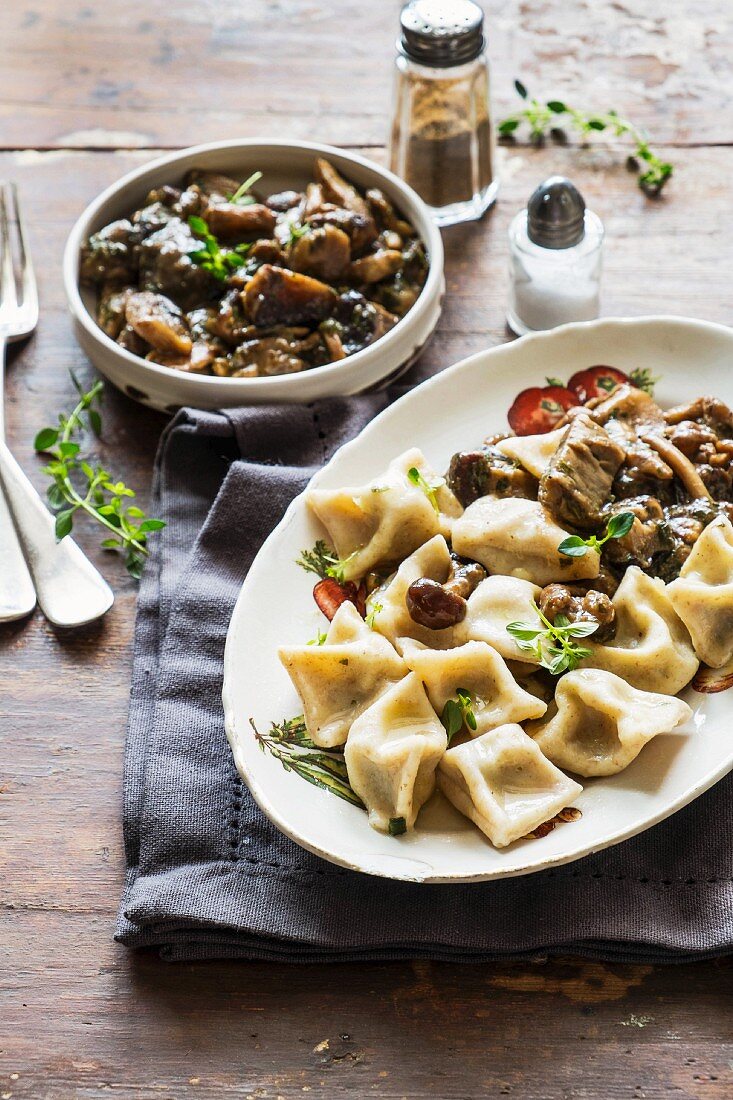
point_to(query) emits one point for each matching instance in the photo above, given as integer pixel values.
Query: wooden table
(88, 89)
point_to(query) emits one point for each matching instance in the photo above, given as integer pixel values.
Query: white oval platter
(455, 411)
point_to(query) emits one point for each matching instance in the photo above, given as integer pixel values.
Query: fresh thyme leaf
(644, 380)
(323, 561)
(297, 231)
(554, 648)
(430, 488)
(220, 262)
(542, 118)
(619, 525)
(241, 196)
(78, 485)
(289, 743)
(397, 826)
(458, 711)
(319, 639)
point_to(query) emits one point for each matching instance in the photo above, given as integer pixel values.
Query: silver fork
(69, 589)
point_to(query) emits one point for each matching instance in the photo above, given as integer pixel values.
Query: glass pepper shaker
(442, 140)
(555, 253)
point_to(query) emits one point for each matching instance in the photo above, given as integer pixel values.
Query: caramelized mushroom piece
(337, 190)
(198, 362)
(230, 221)
(324, 253)
(432, 605)
(680, 464)
(275, 296)
(376, 266)
(159, 322)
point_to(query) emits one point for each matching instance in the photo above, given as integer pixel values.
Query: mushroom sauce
(216, 278)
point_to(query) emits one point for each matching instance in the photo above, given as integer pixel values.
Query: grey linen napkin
(208, 876)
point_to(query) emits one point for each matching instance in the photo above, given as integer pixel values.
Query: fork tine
(28, 278)
(8, 293)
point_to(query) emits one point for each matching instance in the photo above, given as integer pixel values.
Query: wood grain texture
(79, 1016)
(130, 73)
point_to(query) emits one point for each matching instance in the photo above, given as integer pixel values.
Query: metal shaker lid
(441, 33)
(556, 214)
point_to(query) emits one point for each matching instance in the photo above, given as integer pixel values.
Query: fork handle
(17, 594)
(70, 590)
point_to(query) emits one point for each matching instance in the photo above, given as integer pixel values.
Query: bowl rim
(428, 231)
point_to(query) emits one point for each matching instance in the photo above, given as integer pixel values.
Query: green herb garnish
(430, 488)
(576, 547)
(373, 612)
(241, 196)
(324, 562)
(555, 382)
(289, 743)
(550, 117)
(319, 639)
(644, 380)
(553, 647)
(78, 485)
(397, 826)
(221, 262)
(458, 711)
(297, 231)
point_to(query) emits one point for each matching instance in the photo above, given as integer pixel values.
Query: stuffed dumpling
(496, 602)
(518, 538)
(496, 697)
(504, 784)
(651, 649)
(336, 681)
(702, 595)
(392, 753)
(598, 723)
(384, 521)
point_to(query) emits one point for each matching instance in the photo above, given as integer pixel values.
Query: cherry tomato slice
(596, 382)
(539, 409)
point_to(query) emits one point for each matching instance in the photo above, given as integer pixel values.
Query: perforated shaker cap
(556, 214)
(441, 33)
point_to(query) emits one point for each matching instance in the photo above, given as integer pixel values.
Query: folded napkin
(209, 876)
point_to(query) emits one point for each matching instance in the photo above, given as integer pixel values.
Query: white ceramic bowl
(285, 165)
(453, 411)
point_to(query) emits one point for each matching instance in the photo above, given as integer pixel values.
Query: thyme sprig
(553, 645)
(457, 712)
(576, 547)
(288, 742)
(323, 561)
(77, 485)
(220, 262)
(553, 116)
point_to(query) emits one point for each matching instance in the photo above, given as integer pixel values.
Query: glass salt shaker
(442, 139)
(556, 248)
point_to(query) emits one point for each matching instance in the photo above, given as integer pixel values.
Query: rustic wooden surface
(87, 90)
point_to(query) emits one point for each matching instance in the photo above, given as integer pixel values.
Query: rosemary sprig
(77, 485)
(576, 547)
(550, 116)
(430, 488)
(288, 742)
(553, 647)
(220, 262)
(241, 196)
(323, 561)
(458, 711)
